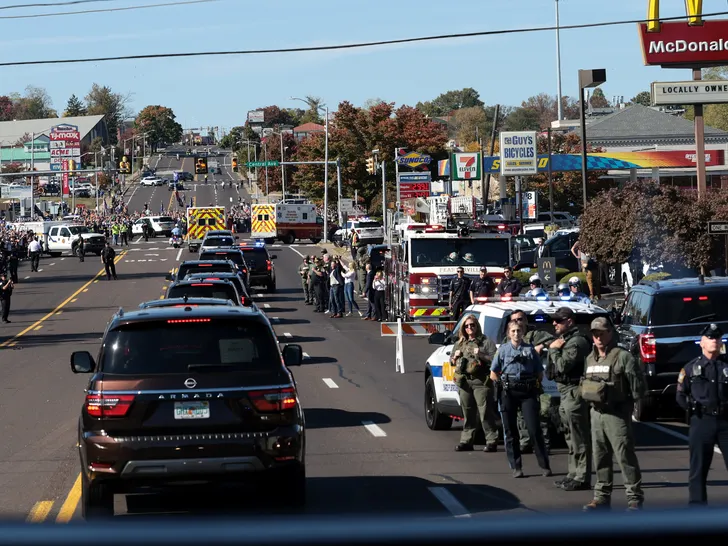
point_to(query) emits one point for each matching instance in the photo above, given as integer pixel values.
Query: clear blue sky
(220, 90)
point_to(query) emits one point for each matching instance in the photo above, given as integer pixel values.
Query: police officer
(575, 289)
(535, 288)
(319, 286)
(81, 250)
(702, 388)
(303, 271)
(518, 368)
(508, 284)
(107, 258)
(459, 294)
(482, 287)
(471, 356)
(611, 384)
(567, 355)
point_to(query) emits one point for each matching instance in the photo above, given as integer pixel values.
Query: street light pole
(559, 114)
(587, 78)
(326, 179)
(283, 169)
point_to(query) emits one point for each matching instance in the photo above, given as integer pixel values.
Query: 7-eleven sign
(465, 166)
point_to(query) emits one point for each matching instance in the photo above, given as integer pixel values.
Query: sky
(218, 91)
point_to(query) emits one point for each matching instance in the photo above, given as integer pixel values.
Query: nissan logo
(190, 383)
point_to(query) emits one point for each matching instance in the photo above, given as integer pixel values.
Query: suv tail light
(648, 348)
(245, 301)
(108, 405)
(267, 263)
(274, 400)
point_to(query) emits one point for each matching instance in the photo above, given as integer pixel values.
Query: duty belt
(567, 381)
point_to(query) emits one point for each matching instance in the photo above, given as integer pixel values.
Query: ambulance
(286, 222)
(200, 220)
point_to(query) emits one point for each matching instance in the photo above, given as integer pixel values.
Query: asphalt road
(369, 451)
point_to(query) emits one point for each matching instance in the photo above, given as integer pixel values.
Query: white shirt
(34, 246)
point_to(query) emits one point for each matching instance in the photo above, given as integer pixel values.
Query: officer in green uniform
(303, 271)
(472, 356)
(611, 384)
(539, 339)
(567, 356)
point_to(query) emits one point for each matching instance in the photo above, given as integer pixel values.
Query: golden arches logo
(693, 9)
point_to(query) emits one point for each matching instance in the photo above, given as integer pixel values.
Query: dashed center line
(286, 334)
(374, 429)
(26, 278)
(54, 263)
(265, 305)
(330, 383)
(449, 501)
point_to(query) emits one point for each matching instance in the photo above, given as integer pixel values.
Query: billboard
(256, 116)
(518, 153)
(690, 92)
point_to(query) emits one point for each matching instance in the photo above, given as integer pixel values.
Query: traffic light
(235, 164)
(201, 165)
(371, 168)
(71, 166)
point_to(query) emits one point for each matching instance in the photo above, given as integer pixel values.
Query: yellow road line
(38, 327)
(171, 197)
(69, 505)
(66, 302)
(39, 512)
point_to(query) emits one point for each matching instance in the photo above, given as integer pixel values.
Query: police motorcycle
(176, 240)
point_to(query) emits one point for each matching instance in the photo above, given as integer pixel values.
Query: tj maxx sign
(681, 44)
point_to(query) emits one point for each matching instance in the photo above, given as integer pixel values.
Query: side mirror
(438, 338)
(273, 256)
(82, 362)
(169, 277)
(292, 355)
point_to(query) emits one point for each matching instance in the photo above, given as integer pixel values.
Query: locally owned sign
(691, 92)
(412, 159)
(692, 43)
(518, 153)
(467, 166)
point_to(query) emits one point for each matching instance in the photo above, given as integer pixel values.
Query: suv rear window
(235, 257)
(707, 305)
(219, 241)
(186, 269)
(369, 225)
(204, 290)
(164, 348)
(166, 219)
(257, 255)
(235, 279)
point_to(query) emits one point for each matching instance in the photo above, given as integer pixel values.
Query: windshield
(75, 230)
(465, 252)
(369, 225)
(204, 290)
(709, 305)
(219, 241)
(186, 269)
(161, 348)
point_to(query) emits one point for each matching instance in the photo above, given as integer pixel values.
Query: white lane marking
(143, 260)
(162, 259)
(275, 319)
(286, 334)
(297, 252)
(130, 261)
(139, 239)
(155, 248)
(151, 254)
(306, 355)
(670, 432)
(330, 383)
(40, 270)
(26, 278)
(63, 259)
(374, 429)
(178, 255)
(54, 263)
(449, 501)
(266, 305)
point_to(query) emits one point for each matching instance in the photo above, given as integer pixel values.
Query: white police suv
(442, 403)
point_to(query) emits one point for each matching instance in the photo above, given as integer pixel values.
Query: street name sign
(717, 228)
(263, 164)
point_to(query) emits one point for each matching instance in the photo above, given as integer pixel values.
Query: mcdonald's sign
(693, 43)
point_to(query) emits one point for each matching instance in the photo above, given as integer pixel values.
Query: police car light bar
(510, 298)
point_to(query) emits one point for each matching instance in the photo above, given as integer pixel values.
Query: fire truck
(423, 262)
(286, 221)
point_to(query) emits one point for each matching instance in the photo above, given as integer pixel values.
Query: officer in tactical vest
(702, 389)
(303, 271)
(567, 355)
(471, 357)
(612, 383)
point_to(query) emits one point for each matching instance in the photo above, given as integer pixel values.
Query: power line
(105, 10)
(339, 46)
(54, 5)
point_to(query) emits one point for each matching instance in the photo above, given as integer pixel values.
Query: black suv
(207, 288)
(236, 281)
(199, 394)
(260, 264)
(202, 266)
(660, 325)
(235, 255)
(185, 302)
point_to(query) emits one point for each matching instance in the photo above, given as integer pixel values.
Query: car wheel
(97, 502)
(434, 419)
(315, 240)
(645, 409)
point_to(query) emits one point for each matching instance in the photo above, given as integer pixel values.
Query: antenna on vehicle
(121, 311)
(184, 298)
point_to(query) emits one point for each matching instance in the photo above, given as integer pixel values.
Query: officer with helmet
(575, 289)
(702, 388)
(536, 290)
(563, 290)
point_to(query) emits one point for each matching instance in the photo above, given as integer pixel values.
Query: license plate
(192, 410)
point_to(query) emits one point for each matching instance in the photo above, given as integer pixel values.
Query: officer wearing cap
(702, 388)
(566, 358)
(482, 287)
(611, 384)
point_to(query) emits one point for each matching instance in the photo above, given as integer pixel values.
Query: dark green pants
(613, 440)
(477, 399)
(575, 418)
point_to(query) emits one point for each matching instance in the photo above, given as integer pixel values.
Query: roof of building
(309, 128)
(639, 125)
(12, 131)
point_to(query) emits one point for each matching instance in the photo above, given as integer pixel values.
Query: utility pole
(283, 169)
(338, 185)
(32, 178)
(326, 180)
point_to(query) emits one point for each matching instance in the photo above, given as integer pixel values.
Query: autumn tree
(36, 103)
(449, 101)
(115, 106)
(158, 122)
(7, 108)
(598, 100)
(74, 107)
(537, 112)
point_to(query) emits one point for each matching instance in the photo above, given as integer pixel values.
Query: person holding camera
(518, 370)
(471, 357)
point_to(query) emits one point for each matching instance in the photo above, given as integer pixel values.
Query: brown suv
(193, 393)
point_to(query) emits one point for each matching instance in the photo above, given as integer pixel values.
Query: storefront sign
(518, 153)
(690, 92)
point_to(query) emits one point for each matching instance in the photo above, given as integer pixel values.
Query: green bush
(523, 276)
(657, 276)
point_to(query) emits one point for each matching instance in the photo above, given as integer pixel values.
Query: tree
(23, 140)
(313, 113)
(35, 104)
(644, 98)
(7, 108)
(74, 107)
(159, 124)
(102, 100)
(598, 100)
(273, 153)
(537, 112)
(232, 139)
(449, 101)
(370, 103)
